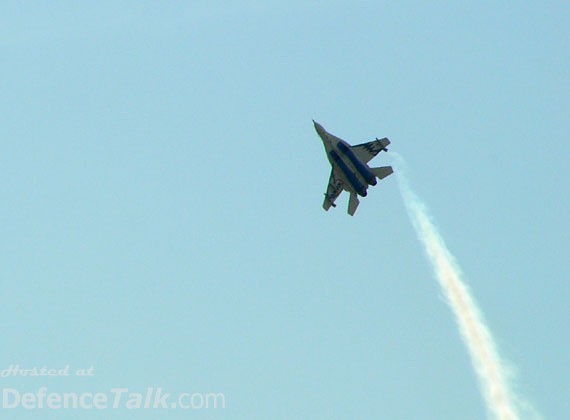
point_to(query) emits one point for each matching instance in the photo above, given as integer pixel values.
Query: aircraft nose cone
(319, 128)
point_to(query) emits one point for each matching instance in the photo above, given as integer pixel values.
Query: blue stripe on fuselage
(356, 184)
(360, 167)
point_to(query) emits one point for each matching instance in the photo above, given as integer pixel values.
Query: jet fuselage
(356, 174)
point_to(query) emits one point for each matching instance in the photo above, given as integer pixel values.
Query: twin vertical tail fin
(380, 173)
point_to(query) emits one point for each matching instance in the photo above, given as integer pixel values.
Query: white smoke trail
(491, 371)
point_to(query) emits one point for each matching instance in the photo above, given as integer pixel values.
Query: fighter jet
(350, 170)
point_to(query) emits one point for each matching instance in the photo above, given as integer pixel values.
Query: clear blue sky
(162, 187)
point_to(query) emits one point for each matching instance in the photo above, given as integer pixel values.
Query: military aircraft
(350, 170)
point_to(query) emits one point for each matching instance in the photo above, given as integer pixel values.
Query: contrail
(491, 371)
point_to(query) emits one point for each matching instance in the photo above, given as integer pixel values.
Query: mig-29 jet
(350, 170)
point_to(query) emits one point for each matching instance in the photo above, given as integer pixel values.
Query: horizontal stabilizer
(382, 172)
(353, 203)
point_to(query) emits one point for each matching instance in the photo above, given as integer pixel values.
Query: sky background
(162, 187)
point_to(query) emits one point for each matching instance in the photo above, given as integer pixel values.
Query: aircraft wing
(366, 151)
(333, 190)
